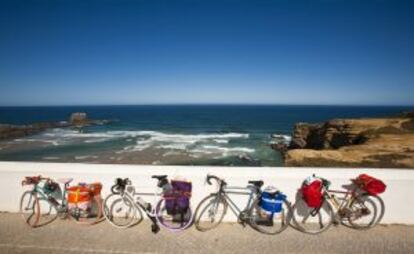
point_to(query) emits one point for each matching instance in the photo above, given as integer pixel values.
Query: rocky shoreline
(366, 142)
(76, 120)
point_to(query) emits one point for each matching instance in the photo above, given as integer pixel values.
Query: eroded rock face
(78, 118)
(373, 142)
(8, 131)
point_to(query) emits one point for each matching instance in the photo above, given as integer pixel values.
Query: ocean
(231, 135)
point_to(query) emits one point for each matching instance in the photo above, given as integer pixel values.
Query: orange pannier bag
(95, 188)
(83, 193)
(78, 194)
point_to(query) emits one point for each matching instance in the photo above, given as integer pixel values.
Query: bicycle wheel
(119, 211)
(90, 215)
(380, 208)
(363, 212)
(268, 223)
(312, 220)
(47, 212)
(173, 221)
(29, 208)
(210, 212)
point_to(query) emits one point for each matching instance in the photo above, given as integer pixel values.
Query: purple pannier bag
(181, 186)
(178, 200)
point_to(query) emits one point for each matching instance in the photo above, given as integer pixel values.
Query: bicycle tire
(29, 208)
(200, 211)
(301, 207)
(380, 210)
(256, 225)
(371, 223)
(183, 220)
(108, 207)
(47, 211)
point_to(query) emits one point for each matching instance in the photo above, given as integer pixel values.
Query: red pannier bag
(370, 184)
(312, 193)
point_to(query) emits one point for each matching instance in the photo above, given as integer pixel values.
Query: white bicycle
(124, 206)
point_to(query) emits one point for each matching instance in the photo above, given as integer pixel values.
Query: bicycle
(212, 209)
(355, 208)
(123, 207)
(40, 206)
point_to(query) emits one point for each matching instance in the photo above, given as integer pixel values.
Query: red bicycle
(357, 207)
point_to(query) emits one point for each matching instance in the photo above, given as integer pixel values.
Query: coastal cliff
(368, 142)
(76, 120)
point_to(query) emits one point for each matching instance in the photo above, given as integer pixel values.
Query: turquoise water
(189, 135)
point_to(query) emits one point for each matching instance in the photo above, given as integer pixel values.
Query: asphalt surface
(64, 236)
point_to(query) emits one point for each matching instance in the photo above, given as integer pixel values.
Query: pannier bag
(312, 192)
(370, 184)
(271, 200)
(81, 196)
(177, 200)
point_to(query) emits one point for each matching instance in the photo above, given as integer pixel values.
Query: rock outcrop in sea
(367, 142)
(78, 120)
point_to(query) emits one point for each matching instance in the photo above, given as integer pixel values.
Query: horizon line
(208, 104)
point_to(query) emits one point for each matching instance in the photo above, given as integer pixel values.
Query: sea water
(170, 134)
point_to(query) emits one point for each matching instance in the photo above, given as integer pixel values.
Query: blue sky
(255, 52)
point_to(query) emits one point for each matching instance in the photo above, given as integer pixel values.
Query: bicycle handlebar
(209, 177)
(33, 179)
(120, 185)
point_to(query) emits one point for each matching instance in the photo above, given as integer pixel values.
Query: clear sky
(260, 52)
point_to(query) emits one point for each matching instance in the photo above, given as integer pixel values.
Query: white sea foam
(229, 149)
(281, 139)
(99, 140)
(195, 145)
(51, 158)
(86, 157)
(154, 135)
(53, 142)
(162, 140)
(221, 141)
(174, 146)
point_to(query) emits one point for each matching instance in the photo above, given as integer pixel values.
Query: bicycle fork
(155, 228)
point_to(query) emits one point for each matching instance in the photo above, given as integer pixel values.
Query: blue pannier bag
(271, 202)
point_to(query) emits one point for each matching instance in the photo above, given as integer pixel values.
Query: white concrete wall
(398, 197)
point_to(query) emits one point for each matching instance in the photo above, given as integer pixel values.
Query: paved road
(68, 237)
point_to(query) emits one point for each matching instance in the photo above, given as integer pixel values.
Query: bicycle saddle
(65, 180)
(159, 177)
(256, 183)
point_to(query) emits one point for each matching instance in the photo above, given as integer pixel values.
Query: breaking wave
(281, 139)
(194, 145)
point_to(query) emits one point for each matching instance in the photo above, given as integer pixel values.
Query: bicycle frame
(348, 197)
(250, 191)
(60, 207)
(129, 195)
(141, 203)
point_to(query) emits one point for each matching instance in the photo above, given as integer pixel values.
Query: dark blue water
(177, 128)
